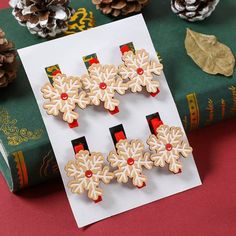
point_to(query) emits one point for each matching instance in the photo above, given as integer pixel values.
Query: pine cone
(42, 17)
(8, 65)
(120, 7)
(193, 10)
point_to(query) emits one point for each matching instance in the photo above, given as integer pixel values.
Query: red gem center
(130, 161)
(103, 85)
(168, 147)
(64, 96)
(140, 71)
(88, 173)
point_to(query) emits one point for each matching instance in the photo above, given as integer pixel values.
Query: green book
(27, 158)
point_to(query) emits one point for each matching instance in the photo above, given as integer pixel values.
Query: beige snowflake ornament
(140, 71)
(102, 83)
(129, 159)
(168, 146)
(87, 171)
(64, 94)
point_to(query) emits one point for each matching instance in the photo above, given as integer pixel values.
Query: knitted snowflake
(87, 171)
(140, 71)
(102, 83)
(63, 96)
(129, 159)
(168, 145)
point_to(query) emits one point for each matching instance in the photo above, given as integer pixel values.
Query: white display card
(95, 122)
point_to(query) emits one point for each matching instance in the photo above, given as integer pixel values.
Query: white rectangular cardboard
(95, 123)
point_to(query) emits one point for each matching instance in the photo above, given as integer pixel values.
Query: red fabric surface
(207, 210)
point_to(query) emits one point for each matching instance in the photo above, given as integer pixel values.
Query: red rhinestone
(140, 71)
(64, 96)
(169, 147)
(103, 85)
(130, 161)
(88, 173)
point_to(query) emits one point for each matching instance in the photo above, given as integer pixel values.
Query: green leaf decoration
(210, 55)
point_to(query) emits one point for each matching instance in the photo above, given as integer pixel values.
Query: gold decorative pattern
(159, 57)
(193, 110)
(15, 135)
(185, 122)
(211, 109)
(233, 90)
(80, 21)
(49, 166)
(223, 108)
(21, 168)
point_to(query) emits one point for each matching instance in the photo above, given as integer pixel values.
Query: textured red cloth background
(206, 210)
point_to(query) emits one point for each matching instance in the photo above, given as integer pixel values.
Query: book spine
(201, 109)
(26, 153)
(30, 167)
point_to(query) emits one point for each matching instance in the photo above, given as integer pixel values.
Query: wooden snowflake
(168, 146)
(64, 94)
(87, 171)
(102, 83)
(140, 71)
(129, 159)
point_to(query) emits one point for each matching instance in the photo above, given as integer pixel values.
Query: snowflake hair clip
(87, 171)
(102, 83)
(63, 95)
(168, 146)
(129, 159)
(139, 70)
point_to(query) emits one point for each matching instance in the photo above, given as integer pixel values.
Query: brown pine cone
(42, 17)
(8, 65)
(193, 10)
(120, 7)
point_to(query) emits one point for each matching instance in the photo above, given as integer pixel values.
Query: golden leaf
(210, 55)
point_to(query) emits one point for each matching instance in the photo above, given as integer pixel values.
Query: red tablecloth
(206, 210)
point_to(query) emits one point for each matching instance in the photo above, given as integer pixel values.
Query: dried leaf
(210, 55)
